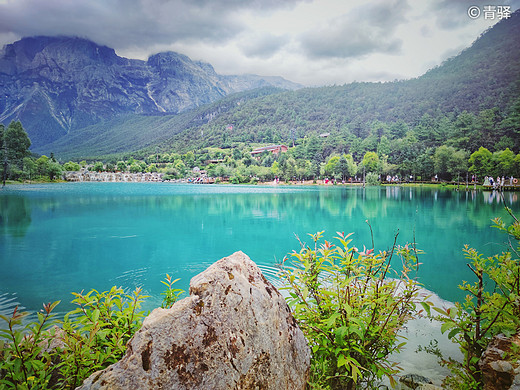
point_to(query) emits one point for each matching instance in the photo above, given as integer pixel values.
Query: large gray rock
(234, 331)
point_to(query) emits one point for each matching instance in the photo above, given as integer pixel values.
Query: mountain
(470, 100)
(55, 85)
(130, 133)
(483, 81)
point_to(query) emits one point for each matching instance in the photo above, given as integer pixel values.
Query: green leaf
(95, 315)
(440, 311)
(426, 307)
(454, 332)
(447, 325)
(331, 321)
(342, 361)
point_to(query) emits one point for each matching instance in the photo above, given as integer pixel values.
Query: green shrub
(41, 355)
(349, 310)
(492, 306)
(171, 295)
(372, 179)
(95, 334)
(71, 166)
(23, 363)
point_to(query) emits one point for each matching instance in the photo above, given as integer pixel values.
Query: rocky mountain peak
(178, 65)
(57, 84)
(68, 53)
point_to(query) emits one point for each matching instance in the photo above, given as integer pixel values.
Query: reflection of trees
(15, 215)
(118, 227)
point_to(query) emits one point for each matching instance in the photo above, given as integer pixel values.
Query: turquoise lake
(59, 238)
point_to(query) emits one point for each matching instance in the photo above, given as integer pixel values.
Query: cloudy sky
(312, 42)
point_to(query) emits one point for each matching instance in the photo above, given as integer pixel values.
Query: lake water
(59, 238)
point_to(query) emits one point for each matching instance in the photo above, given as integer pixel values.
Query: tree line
(336, 156)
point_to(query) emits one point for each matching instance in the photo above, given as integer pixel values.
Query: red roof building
(275, 149)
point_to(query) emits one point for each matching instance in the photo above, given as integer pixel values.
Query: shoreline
(320, 182)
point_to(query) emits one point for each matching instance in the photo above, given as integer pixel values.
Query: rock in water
(234, 331)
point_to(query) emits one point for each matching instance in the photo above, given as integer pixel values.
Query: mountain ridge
(57, 84)
(482, 80)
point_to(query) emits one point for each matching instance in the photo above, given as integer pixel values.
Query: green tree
(458, 164)
(462, 131)
(383, 147)
(485, 129)
(425, 164)
(121, 166)
(371, 162)
(110, 167)
(54, 170)
(275, 169)
(504, 162)
(510, 125)
(398, 129)
(14, 146)
(98, 166)
(42, 164)
(135, 168)
(289, 169)
(29, 167)
(223, 171)
(516, 166)
(71, 166)
(441, 161)
(151, 168)
(346, 166)
(329, 168)
(449, 163)
(481, 162)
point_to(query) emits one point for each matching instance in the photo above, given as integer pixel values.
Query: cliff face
(55, 84)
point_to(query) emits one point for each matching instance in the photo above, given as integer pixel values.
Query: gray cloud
(365, 30)
(312, 43)
(263, 46)
(132, 23)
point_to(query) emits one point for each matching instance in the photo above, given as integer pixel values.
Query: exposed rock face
(498, 370)
(234, 331)
(56, 84)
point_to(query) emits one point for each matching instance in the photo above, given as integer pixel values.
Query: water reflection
(64, 238)
(15, 215)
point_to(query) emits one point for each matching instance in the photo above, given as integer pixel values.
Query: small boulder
(499, 371)
(234, 331)
(415, 381)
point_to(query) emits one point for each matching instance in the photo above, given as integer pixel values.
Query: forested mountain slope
(470, 99)
(130, 133)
